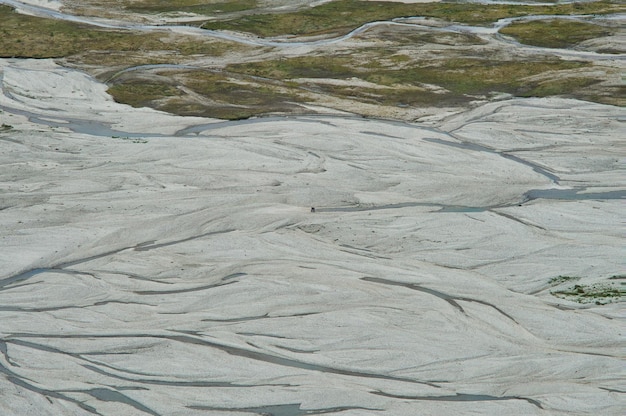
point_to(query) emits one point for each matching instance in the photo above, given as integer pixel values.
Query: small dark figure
(312, 209)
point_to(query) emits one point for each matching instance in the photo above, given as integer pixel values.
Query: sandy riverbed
(148, 267)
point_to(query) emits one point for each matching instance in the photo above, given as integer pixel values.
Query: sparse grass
(342, 16)
(414, 38)
(33, 37)
(599, 294)
(204, 93)
(140, 93)
(557, 33)
(206, 7)
(209, 8)
(402, 96)
(559, 86)
(336, 67)
(462, 77)
(562, 279)
(615, 95)
(234, 92)
(185, 108)
(135, 140)
(473, 76)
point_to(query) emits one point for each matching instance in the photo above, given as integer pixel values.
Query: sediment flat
(166, 265)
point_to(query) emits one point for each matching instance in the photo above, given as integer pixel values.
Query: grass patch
(342, 16)
(203, 93)
(140, 93)
(461, 77)
(473, 76)
(403, 96)
(234, 92)
(185, 108)
(558, 86)
(557, 33)
(190, 6)
(336, 67)
(414, 38)
(25, 36)
(124, 9)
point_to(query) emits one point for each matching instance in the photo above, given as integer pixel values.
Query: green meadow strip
(344, 15)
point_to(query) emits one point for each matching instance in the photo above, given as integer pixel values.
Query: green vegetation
(411, 68)
(336, 67)
(130, 139)
(342, 16)
(235, 92)
(461, 77)
(415, 38)
(474, 76)
(599, 294)
(33, 37)
(203, 93)
(190, 6)
(557, 33)
(206, 7)
(142, 93)
(562, 279)
(559, 86)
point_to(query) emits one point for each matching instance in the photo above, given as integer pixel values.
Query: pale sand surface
(49, 4)
(171, 273)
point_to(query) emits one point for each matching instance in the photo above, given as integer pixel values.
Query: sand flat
(145, 270)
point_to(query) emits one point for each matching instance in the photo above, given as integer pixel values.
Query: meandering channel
(295, 43)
